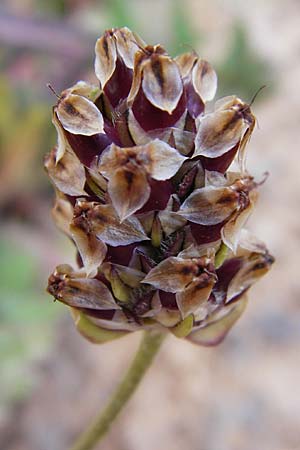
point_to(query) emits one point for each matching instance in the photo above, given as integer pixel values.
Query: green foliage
(120, 14)
(26, 319)
(242, 71)
(183, 37)
(54, 8)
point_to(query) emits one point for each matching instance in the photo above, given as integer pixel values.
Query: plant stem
(149, 346)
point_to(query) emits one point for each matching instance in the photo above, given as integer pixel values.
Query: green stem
(149, 346)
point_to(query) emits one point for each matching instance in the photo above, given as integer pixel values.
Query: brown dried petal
(209, 205)
(214, 331)
(127, 169)
(128, 43)
(113, 158)
(217, 179)
(231, 230)
(243, 145)
(186, 62)
(253, 268)
(61, 140)
(248, 242)
(204, 80)
(197, 251)
(170, 221)
(194, 295)
(162, 84)
(68, 174)
(131, 277)
(227, 102)
(87, 90)
(107, 227)
(219, 132)
(91, 249)
(160, 160)
(106, 57)
(137, 76)
(62, 213)
(173, 274)
(82, 292)
(183, 140)
(78, 115)
(129, 190)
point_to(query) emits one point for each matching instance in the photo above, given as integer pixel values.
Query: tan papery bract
(214, 330)
(254, 266)
(218, 133)
(128, 43)
(174, 274)
(82, 292)
(231, 230)
(127, 171)
(204, 80)
(92, 250)
(162, 83)
(78, 115)
(195, 294)
(106, 57)
(122, 43)
(210, 205)
(67, 174)
(61, 140)
(108, 227)
(62, 212)
(186, 62)
(129, 190)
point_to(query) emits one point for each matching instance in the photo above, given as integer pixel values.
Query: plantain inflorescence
(145, 190)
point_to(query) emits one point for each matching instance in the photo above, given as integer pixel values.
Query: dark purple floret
(159, 197)
(87, 147)
(221, 163)
(118, 86)
(204, 233)
(195, 105)
(151, 118)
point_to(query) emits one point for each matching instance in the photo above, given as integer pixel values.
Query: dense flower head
(144, 190)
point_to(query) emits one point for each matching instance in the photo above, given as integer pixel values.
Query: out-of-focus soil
(244, 394)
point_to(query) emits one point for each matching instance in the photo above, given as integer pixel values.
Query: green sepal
(120, 290)
(93, 332)
(94, 187)
(221, 255)
(183, 328)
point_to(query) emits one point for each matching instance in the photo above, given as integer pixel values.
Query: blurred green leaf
(27, 318)
(54, 8)
(242, 71)
(120, 14)
(184, 37)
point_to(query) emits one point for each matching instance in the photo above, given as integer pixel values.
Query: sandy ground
(244, 394)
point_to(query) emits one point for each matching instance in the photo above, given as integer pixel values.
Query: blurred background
(242, 395)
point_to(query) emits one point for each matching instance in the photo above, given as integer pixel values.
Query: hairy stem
(149, 346)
